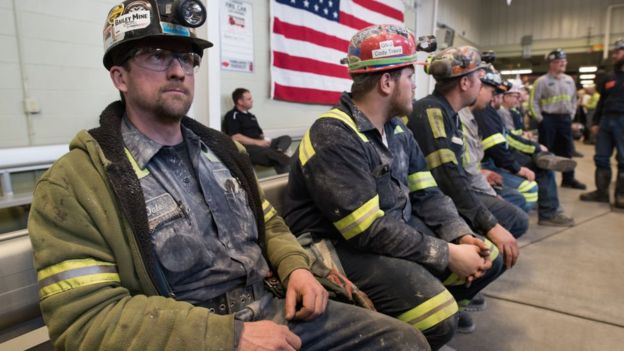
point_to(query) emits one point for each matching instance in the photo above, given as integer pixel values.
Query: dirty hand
(304, 290)
(267, 335)
(506, 243)
(526, 173)
(492, 177)
(465, 260)
(263, 142)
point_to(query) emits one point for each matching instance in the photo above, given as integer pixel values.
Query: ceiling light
(587, 82)
(517, 71)
(587, 76)
(588, 69)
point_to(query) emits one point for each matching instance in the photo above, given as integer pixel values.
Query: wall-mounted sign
(236, 36)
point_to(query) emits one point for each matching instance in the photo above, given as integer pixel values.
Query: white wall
(62, 49)
(464, 16)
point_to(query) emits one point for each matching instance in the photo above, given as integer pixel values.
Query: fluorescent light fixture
(588, 69)
(587, 82)
(517, 71)
(587, 76)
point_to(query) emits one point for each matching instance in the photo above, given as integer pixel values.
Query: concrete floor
(567, 290)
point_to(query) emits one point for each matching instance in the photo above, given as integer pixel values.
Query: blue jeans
(547, 195)
(341, 327)
(510, 191)
(555, 132)
(511, 217)
(610, 136)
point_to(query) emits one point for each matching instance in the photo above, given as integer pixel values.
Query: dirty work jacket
(437, 128)
(611, 103)
(100, 286)
(348, 186)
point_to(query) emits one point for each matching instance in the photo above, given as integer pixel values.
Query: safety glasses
(159, 60)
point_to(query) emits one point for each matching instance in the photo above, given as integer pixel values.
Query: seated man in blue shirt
(243, 127)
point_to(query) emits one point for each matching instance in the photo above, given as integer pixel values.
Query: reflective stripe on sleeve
(440, 157)
(527, 186)
(520, 146)
(73, 274)
(492, 140)
(436, 122)
(140, 173)
(359, 220)
(431, 312)
(493, 249)
(306, 151)
(420, 180)
(269, 210)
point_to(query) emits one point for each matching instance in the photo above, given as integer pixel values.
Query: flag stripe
(291, 15)
(303, 49)
(306, 94)
(293, 31)
(309, 80)
(354, 22)
(304, 64)
(381, 8)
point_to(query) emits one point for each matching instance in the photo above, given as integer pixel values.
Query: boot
(601, 194)
(546, 160)
(619, 192)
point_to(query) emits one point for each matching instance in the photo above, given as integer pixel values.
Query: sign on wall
(236, 36)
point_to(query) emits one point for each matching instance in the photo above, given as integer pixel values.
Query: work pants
(555, 132)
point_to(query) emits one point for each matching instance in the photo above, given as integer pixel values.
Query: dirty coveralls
(373, 196)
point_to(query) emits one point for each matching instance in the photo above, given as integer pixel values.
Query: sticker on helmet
(114, 13)
(134, 20)
(175, 29)
(387, 48)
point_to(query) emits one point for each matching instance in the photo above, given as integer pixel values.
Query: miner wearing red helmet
(361, 182)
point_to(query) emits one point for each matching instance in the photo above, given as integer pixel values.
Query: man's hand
(506, 244)
(305, 290)
(484, 251)
(543, 148)
(465, 261)
(267, 335)
(526, 173)
(594, 130)
(492, 177)
(263, 142)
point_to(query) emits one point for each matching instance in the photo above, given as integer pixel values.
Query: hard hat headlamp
(190, 13)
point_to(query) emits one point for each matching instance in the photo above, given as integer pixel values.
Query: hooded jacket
(100, 283)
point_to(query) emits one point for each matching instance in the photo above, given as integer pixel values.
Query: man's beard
(397, 109)
(171, 112)
(618, 65)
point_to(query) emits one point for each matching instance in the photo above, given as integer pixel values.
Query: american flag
(310, 37)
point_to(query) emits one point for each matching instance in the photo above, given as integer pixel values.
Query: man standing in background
(553, 104)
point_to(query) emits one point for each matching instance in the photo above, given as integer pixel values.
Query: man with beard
(553, 105)
(437, 128)
(362, 182)
(152, 233)
(608, 124)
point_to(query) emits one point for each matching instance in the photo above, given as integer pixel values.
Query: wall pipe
(20, 59)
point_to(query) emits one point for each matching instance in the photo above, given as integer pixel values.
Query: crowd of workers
(152, 232)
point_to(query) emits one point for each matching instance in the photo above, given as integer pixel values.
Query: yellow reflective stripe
(440, 157)
(492, 140)
(140, 173)
(306, 150)
(404, 119)
(527, 186)
(420, 180)
(360, 219)
(398, 129)
(555, 99)
(516, 132)
(530, 197)
(436, 122)
(337, 114)
(453, 280)
(520, 146)
(269, 210)
(493, 249)
(431, 312)
(73, 274)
